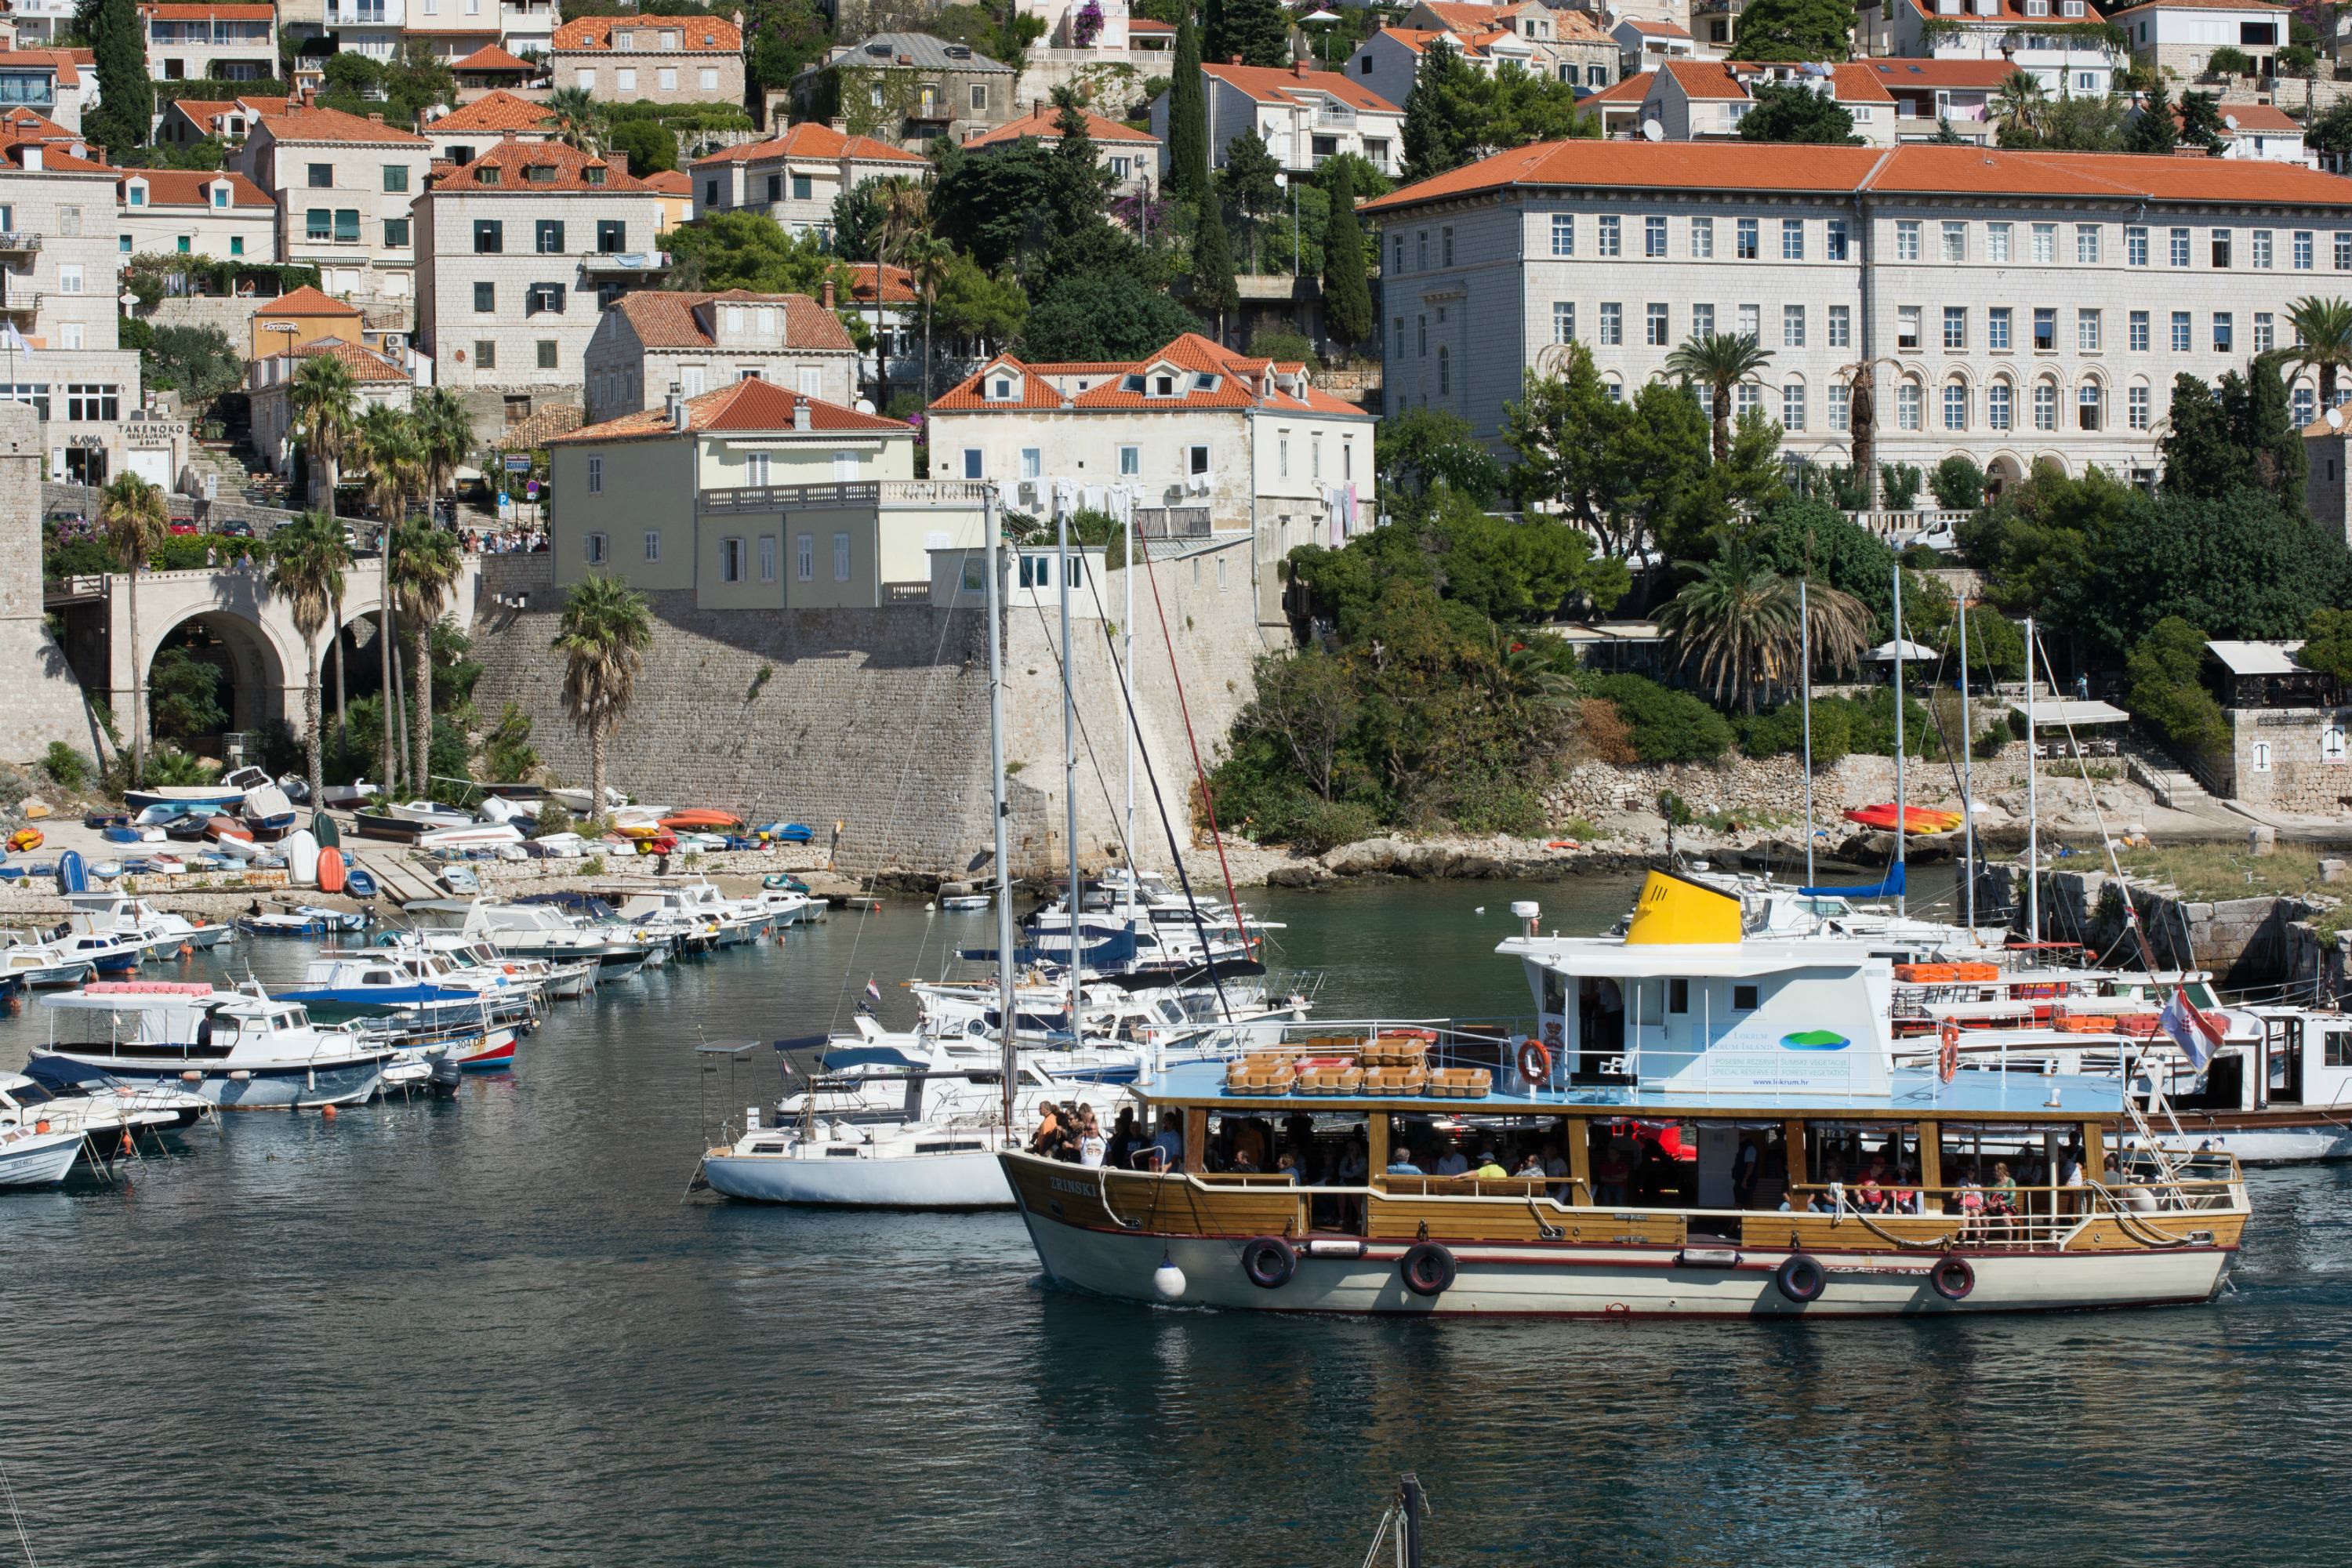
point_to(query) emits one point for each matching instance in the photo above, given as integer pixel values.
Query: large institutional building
(2010, 306)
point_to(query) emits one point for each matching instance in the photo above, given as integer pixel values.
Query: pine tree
(1213, 291)
(1212, 31)
(1444, 113)
(2152, 130)
(1256, 30)
(126, 96)
(1188, 119)
(1346, 291)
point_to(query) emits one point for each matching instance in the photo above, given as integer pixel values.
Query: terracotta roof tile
(495, 111)
(1625, 89)
(491, 57)
(897, 283)
(695, 33)
(1657, 29)
(1271, 85)
(1044, 121)
(516, 163)
(315, 124)
(744, 406)
(1966, 75)
(191, 188)
(59, 60)
(811, 139)
(167, 12)
(306, 302)
(669, 319)
(1146, 25)
(670, 182)
(551, 423)
(366, 363)
(1243, 382)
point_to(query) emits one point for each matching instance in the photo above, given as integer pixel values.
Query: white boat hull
(38, 1159)
(1609, 1282)
(954, 1181)
(2286, 1144)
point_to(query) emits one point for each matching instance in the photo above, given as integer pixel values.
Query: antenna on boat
(1902, 822)
(1805, 700)
(996, 787)
(2033, 813)
(1968, 781)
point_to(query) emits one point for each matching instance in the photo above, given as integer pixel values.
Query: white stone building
(2180, 36)
(343, 185)
(1697, 101)
(2030, 35)
(657, 339)
(2009, 306)
(1302, 115)
(1645, 44)
(269, 384)
(187, 119)
(795, 176)
(223, 42)
(518, 254)
(470, 130)
(49, 83)
(1214, 441)
(186, 212)
(1132, 157)
(661, 59)
(369, 27)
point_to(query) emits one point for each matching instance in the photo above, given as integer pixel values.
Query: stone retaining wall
(2245, 942)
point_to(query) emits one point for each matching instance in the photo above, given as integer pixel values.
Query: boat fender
(1800, 1278)
(1269, 1261)
(1535, 1062)
(1168, 1279)
(1953, 1277)
(1427, 1269)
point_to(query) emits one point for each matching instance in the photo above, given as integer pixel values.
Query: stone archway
(252, 676)
(2001, 474)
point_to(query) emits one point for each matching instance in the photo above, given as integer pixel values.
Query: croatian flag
(873, 995)
(2196, 1033)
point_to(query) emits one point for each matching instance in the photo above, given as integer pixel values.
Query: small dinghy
(305, 920)
(360, 884)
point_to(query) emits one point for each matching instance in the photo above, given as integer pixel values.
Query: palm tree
(905, 209)
(445, 433)
(325, 402)
(388, 449)
(428, 566)
(1718, 361)
(577, 118)
(603, 636)
(311, 555)
(2018, 104)
(1738, 625)
(136, 521)
(929, 260)
(2322, 340)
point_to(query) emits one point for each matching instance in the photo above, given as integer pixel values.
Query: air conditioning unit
(1027, 492)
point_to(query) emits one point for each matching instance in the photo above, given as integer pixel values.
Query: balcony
(625, 262)
(19, 304)
(1173, 522)
(862, 493)
(19, 242)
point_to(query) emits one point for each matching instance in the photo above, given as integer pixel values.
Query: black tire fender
(1427, 1270)
(1800, 1278)
(1269, 1261)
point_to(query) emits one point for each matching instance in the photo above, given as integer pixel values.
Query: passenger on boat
(1049, 1141)
(1403, 1165)
(1870, 1197)
(1126, 1138)
(1489, 1168)
(1452, 1162)
(1287, 1164)
(1091, 1144)
(1530, 1165)
(1903, 1197)
(1609, 1173)
(1745, 1168)
(2000, 1201)
(1972, 1205)
(1243, 1161)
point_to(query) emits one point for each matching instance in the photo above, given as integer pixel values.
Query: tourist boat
(35, 1159)
(239, 1049)
(549, 979)
(537, 930)
(1778, 1048)
(1917, 820)
(163, 932)
(303, 919)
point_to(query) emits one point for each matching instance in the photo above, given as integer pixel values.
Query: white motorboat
(267, 810)
(30, 1158)
(350, 796)
(472, 835)
(38, 964)
(74, 1098)
(239, 1049)
(577, 801)
(538, 930)
(162, 933)
(431, 813)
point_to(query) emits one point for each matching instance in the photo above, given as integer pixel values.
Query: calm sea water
(495, 1332)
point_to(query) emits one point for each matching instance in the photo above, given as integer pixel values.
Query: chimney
(800, 413)
(33, 157)
(675, 406)
(1299, 68)
(824, 294)
(375, 116)
(1233, 59)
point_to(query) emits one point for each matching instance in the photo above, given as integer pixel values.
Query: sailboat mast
(996, 796)
(1127, 675)
(1805, 698)
(2033, 815)
(1902, 822)
(1967, 780)
(1070, 771)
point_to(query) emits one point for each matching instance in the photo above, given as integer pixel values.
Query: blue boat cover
(1892, 887)
(59, 1073)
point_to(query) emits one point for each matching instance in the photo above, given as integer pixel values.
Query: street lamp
(1280, 182)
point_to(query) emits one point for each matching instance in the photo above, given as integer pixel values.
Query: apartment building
(1132, 157)
(59, 274)
(343, 185)
(188, 212)
(219, 42)
(1697, 101)
(1932, 94)
(494, 68)
(518, 253)
(1303, 115)
(527, 27)
(1566, 46)
(795, 176)
(1645, 44)
(907, 87)
(2053, 41)
(51, 82)
(189, 119)
(2180, 36)
(468, 130)
(1209, 442)
(369, 27)
(451, 30)
(753, 497)
(664, 60)
(658, 339)
(270, 387)
(2005, 305)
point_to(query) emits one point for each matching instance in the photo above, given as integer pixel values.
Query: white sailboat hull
(38, 1159)
(963, 1180)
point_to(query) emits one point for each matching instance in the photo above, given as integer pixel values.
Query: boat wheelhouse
(1696, 1124)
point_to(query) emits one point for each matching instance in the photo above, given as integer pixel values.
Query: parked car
(180, 529)
(236, 528)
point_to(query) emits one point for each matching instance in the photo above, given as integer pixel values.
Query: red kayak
(1915, 819)
(702, 821)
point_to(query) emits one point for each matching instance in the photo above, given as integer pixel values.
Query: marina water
(495, 1332)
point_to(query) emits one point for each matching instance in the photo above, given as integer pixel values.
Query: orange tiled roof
(24, 125)
(1269, 85)
(1624, 89)
(366, 363)
(1968, 75)
(1242, 383)
(1919, 167)
(307, 301)
(59, 60)
(1657, 29)
(1712, 79)
(1146, 25)
(2256, 5)
(695, 33)
(663, 319)
(1044, 121)
(163, 10)
(491, 57)
(515, 162)
(670, 182)
(312, 123)
(190, 188)
(495, 111)
(897, 284)
(811, 139)
(750, 406)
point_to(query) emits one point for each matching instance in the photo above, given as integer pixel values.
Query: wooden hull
(1617, 1265)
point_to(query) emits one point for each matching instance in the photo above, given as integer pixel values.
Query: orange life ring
(1947, 1051)
(1535, 1062)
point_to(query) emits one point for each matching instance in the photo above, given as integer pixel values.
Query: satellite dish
(2230, 121)
(1653, 132)
(865, 406)
(2336, 419)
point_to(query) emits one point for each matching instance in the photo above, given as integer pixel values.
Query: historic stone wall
(44, 701)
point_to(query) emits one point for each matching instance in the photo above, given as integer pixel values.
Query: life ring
(1427, 1269)
(1947, 1051)
(1953, 1277)
(1800, 1278)
(1535, 1062)
(1269, 1261)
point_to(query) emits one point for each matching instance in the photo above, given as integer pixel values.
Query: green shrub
(69, 767)
(1898, 486)
(551, 818)
(1324, 825)
(1958, 483)
(1668, 726)
(1781, 733)
(507, 753)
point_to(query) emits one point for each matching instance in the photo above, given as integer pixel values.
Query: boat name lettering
(1878, 1268)
(1064, 1184)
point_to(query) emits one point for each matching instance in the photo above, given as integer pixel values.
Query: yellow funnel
(1674, 912)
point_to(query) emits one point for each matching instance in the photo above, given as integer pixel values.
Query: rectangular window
(396, 234)
(653, 545)
(1956, 406)
(1196, 460)
(490, 236)
(68, 279)
(1997, 243)
(2178, 247)
(318, 223)
(1840, 326)
(731, 561)
(2263, 249)
(2302, 250)
(2087, 242)
(1792, 405)
(1907, 239)
(2138, 331)
(1835, 245)
(1793, 248)
(1793, 327)
(594, 545)
(1130, 462)
(486, 354)
(804, 558)
(1654, 236)
(1703, 238)
(1563, 321)
(2045, 330)
(1032, 463)
(1747, 244)
(396, 178)
(1702, 320)
(1612, 324)
(841, 558)
(547, 236)
(1956, 326)
(2086, 331)
(321, 176)
(547, 354)
(236, 244)
(1445, 246)
(2135, 408)
(596, 476)
(1906, 327)
(611, 236)
(2265, 333)
(1956, 242)
(2045, 244)
(1841, 405)
(2344, 252)
(2045, 407)
(1655, 326)
(665, 79)
(1907, 405)
(2180, 332)
(1997, 320)
(2225, 334)
(1612, 238)
(1997, 406)
(2221, 247)
(1399, 266)
(347, 225)
(2087, 406)
(2135, 246)
(767, 557)
(543, 297)
(1563, 238)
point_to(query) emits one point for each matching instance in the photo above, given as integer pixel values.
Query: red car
(182, 527)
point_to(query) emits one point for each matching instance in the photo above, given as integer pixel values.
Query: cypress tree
(1346, 292)
(1213, 46)
(1213, 291)
(1188, 119)
(2152, 130)
(1257, 30)
(126, 96)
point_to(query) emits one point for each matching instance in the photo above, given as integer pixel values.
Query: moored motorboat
(303, 919)
(239, 1049)
(31, 1158)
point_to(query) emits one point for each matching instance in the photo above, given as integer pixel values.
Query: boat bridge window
(1677, 995)
(2339, 1049)
(1743, 998)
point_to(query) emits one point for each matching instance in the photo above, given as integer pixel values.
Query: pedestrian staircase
(2174, 786)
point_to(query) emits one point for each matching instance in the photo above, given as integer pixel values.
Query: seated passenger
(1403, 1163)
(1902, 1197)
(1355, 1160)
(1166, 1150)
(1532, 1166)
(1870, 1197)
(1244, 1161)
(1489, 1168)
(1047, 1144)
(1972, 1205)
(1287, 1164)
(1452, 1162)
